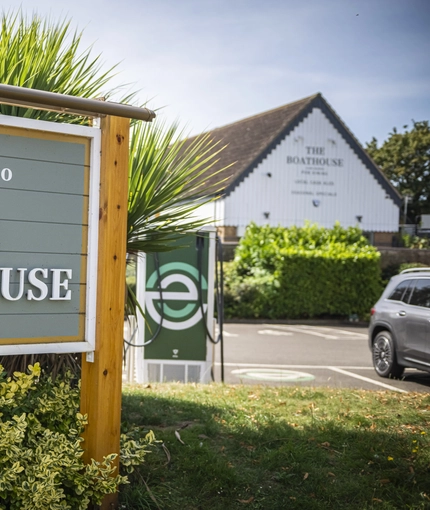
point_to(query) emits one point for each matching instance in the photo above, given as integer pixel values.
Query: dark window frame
(413, 291)
(407, 288)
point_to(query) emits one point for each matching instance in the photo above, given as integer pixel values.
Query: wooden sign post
(52, 170)
(102, 378)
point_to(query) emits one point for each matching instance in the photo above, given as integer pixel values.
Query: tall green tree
(405, 159)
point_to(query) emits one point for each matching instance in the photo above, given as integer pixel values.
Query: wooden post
(102, 379)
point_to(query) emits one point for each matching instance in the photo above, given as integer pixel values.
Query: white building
(300, 163)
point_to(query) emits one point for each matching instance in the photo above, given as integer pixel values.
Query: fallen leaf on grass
(331, 474)
(166, 451)
(149, 492)
(384, 481)
(377, 500)
(178, 437)
(246, 501)
(202, 436)
(326, 444)
(305, 476)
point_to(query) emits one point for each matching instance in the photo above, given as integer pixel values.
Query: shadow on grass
(284, 454)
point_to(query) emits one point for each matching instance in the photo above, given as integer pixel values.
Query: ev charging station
(175, 338)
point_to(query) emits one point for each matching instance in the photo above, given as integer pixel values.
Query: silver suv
(399, 333)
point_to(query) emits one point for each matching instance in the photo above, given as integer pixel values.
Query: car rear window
(399, 293)
(421, 293)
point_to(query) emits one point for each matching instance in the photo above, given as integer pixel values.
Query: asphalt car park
(335, 356)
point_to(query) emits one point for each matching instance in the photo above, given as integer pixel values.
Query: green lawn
(255, 447)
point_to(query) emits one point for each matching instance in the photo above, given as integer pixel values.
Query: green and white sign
(176, 296)
(49, 179)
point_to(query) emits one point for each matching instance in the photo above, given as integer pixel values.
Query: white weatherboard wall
(297, 190)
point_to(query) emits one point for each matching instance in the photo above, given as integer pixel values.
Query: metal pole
(32, 98)
(405, 209)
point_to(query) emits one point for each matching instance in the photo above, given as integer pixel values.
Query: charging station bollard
(177, 288)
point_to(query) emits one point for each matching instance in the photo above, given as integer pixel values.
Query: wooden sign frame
(43, 130)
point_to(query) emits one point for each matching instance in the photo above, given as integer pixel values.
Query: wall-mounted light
(266, 215)
(333, 142)
(359, 218)
(269, 174)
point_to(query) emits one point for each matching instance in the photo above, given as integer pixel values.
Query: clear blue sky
(212, 62)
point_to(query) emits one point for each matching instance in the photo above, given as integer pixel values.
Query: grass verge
(258, 447)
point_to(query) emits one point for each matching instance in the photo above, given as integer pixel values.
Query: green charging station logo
(186, 313)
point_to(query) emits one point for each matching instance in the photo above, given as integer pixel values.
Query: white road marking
(226, 333)
(271, 365)
(311, 331)
(273, 374)
(273, 332)
(345, 332)
(321, 367)
(371, 381)
(298, 329)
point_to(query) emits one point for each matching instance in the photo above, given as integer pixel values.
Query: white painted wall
(342, 192)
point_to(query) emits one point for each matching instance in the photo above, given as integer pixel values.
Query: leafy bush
(41, 463)
(415, 242)
(248, 297)
(302, 272)
(260, 246)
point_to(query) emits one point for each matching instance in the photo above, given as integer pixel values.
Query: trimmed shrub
(41, 463)
(248, 297)
(293, 273)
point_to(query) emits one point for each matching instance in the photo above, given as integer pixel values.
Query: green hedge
(304, 272)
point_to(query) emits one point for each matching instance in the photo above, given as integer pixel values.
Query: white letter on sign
(6, 174)
(5, 283)
(57, 285)
(32, 278)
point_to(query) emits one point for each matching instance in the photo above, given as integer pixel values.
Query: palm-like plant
(40, 54)
(167, 185)
(167, 175)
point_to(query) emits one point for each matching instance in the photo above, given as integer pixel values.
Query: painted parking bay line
(343, 370)
(274, 332)
(344, 332)
(226, 333)
(298, 329)
(319, 331)
(274, 365)
(366, 379)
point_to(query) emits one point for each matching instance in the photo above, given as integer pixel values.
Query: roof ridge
(305, 100)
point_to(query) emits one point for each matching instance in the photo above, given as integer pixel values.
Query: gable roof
(250, 140)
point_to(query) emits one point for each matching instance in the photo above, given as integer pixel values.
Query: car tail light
(372, 311)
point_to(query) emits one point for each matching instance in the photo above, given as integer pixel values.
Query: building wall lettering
(314, 177)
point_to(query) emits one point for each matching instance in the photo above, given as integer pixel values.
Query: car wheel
(384, 356)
